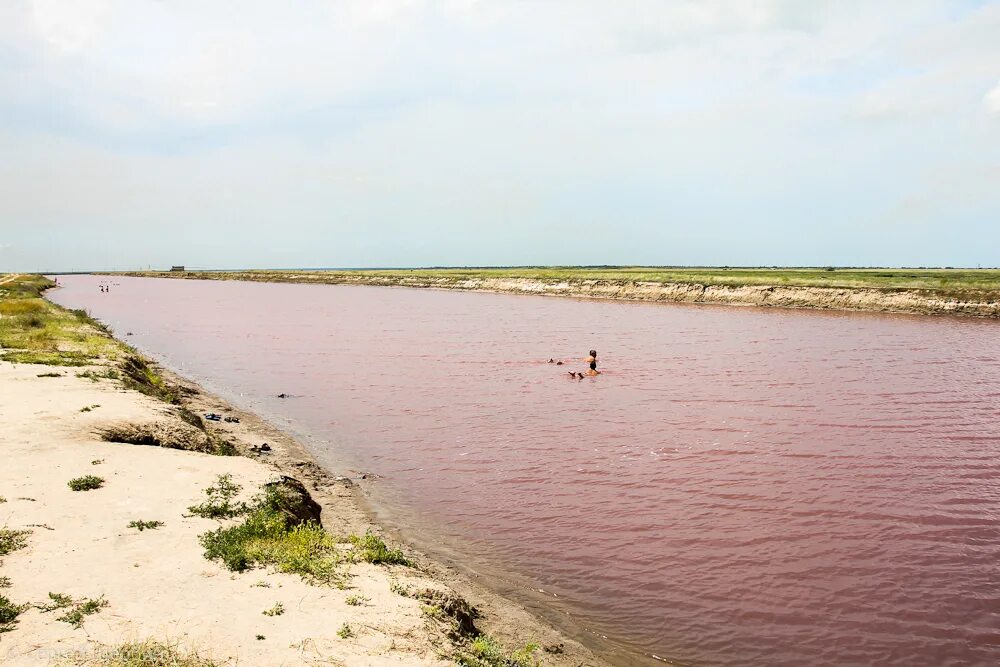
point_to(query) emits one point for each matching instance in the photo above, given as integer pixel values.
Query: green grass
(86, 483)
(277, 610)
(264, 538)
(35, 331)
(220, 503)
(12, 540)
(79, 611)
(484, 651)
(355, 600)
(58, 601)
(345, 631)
(50, 375)
(149, 653)
(5, 582)
(372, 549)
(88, 408)
(9, 613)
(145, 525)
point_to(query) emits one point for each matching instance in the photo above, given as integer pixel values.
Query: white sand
(157, 583)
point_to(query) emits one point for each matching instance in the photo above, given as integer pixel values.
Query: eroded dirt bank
(925, 302)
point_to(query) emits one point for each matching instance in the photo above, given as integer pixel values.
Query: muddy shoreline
(909, 301)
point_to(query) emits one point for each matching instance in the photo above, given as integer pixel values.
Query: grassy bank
(928, 291)
(942, 281)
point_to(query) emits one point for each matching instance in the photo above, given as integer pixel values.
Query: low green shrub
(220, 503)
(86, 483)
(143, 525)
(372, 548)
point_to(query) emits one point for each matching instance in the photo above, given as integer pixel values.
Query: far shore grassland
(228, 544)
(928, 291)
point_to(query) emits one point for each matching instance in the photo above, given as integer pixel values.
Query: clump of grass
(47, 358)
(143, 525)
(5, 582)
(265, 537)
(220, 447)
(88, 408)
(2, 500)
(149, 653)
(12, 540)
(81, 610)
(277, 610)
(484, 651)
(94, 376)
(372, 548)
(97, 462)
(86, 483)
(50, 375)
(261, 637)
(262, 584)
(400, 589)
(345, 631)
(355, 600)
(9, 613)
(220, 503)
(58, 601)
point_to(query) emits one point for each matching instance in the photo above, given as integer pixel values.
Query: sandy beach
(75, 552)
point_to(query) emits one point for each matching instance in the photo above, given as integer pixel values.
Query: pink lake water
(739, 487)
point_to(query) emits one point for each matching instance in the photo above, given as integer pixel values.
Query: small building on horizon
(177, 268)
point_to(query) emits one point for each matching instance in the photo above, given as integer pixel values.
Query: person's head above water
(593, 353)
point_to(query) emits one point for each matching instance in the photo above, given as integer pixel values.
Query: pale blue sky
(412, 133)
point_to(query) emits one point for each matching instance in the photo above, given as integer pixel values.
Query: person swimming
(592, 361)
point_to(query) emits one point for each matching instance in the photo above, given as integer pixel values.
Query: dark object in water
(572, 374)
(552, 361)
(265, 447)
(129, 334)
(558, 363)
(211, 416)
(282, 395)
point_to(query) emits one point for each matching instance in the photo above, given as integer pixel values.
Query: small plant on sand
(9, 613)
(220, 503)
(345, 631)
(149, 653)
(355, 600)
(50, 375)
(97, 462)
(400, 589)
(88, 408)
(261, 638)
(80, 610)
(372, 549)
(143, 525)
(58, 601)
(484, 651)
(12, 540)
(86, 483)
(277, 610)
(262, 584)
(2, 500)
(5, 582)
